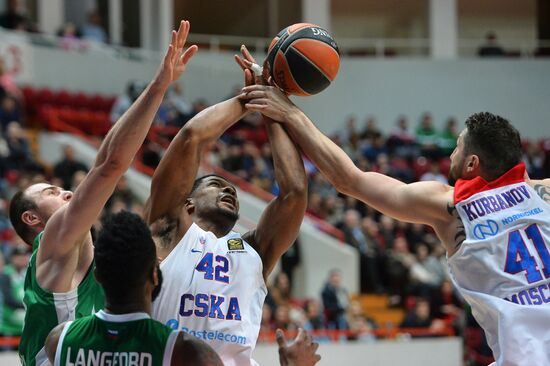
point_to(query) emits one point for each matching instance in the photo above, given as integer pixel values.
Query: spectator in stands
(70, 37)
(314, 317)
(446, 304)
(267, 324)
(427, 270)
(9, 111)
(124, 101)
(8, 84)
(421, 317)
(335, 301)
(93, 29)
(370, 130)
(13, 18)
(280, 291)
(434, 174)
(361, 327)
(281, 318)
(182, 108)
(401, 141)
(398, 261)
(290, 260)
(491, 48)
(68, 166)
(11, 284)
(427, 137)
(124, 194)
(448, 137)
(20, 156)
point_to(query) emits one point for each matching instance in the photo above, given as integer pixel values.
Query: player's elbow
(194, 133)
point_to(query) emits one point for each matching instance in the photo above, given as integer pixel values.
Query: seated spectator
(9, 111)
(267, 324)
(371, 130)
(361, 327)
(124, 101)
(93, 29)
(314, 317)
(491, 48)
(11, 283)
(13, 18)
(335, 301)
(70, 37)
(448, 137)
(401, 140)
(280, 291)
(434, 174)
(68, 166)
(8, 85)
(420, 317)
(447, 305)
(177, 102)
(124, 194)
(20, 156)
(427, 137)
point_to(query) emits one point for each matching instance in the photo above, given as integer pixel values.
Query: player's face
(48, 199)
(218, 195)
(457, 160)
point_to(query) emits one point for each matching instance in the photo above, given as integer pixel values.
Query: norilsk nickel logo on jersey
(235, 244)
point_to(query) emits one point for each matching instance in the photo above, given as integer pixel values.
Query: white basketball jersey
(503, 267)
(214, 289)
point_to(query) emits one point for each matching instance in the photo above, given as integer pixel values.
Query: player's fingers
(189, 52)
(256, 94)
(301, 337)
(182, 34)
(240, 62)
(246, 54)
(255, 107)
(280, 336)
(314, 346)
(248, 77)
(317, 358)
(169, 54)
(250, 88)
(258, 101)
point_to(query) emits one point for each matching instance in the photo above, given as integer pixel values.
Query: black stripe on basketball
(287, 40)
(306, 74)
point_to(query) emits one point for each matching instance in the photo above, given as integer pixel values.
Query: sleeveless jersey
(45, 310)
(109, 339)
(214, 289)
(503, 267)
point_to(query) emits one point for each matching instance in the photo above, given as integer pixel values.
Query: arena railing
(367, 47)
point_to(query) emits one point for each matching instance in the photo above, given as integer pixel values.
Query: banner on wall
(15, 53)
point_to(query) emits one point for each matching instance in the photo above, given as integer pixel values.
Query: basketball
(303, 59)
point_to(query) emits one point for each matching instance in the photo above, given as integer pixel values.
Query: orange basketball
(303, 59)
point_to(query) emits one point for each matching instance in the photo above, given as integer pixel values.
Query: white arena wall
(417, 352)
(385, 88)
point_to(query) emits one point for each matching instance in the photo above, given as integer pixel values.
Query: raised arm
(67, 226)
(422, 202)
(280, 222)
(174, 177)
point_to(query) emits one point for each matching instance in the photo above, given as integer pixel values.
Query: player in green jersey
(59, 285)
(123, 333)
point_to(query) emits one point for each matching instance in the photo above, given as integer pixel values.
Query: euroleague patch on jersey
(235, 244)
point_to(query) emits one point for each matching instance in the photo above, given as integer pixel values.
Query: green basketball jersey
(45, 310)
(107, 339)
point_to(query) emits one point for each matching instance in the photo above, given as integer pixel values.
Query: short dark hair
(199, 180)
(124, 254)
(495, 141)
(19, 204)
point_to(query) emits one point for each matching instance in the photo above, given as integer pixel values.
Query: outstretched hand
(176, 58)
(300, 352)
(247, 62)
(269, 101)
